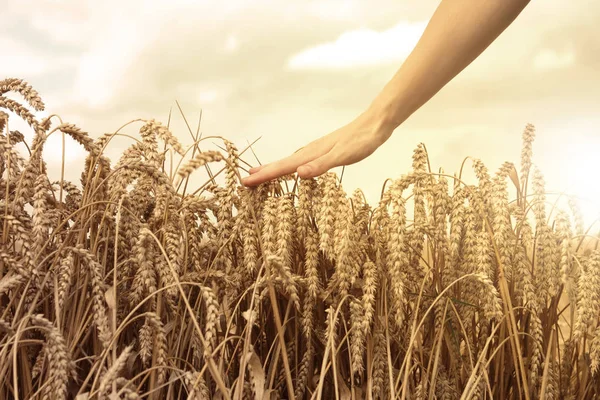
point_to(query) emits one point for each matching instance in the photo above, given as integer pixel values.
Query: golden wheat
(130, 284)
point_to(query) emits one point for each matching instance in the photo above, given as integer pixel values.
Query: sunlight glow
(582, 167)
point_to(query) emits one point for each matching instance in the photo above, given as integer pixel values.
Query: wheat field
(132, 283)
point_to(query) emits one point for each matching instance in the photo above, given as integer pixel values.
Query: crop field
(138, 282)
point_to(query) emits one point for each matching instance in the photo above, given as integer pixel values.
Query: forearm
(457, 33)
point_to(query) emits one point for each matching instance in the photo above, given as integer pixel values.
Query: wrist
(398, 99)
(386, 116)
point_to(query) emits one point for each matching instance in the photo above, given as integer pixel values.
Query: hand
(457, 33)
(347, 145)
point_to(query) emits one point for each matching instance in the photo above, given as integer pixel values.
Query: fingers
(319, 166)
(254, 170)
(282, 167)
(270, 171)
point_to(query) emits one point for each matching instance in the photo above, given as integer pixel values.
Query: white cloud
(361, 47)
(19, 61)
(60, 21)
(551, 59)
(119, 40)
(103, 67)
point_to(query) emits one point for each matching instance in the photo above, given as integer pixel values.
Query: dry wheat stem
(221, 262)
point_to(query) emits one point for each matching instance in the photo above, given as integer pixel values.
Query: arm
(457, 33)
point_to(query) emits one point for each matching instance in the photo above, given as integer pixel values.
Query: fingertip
(257, 178)
(305, 171)
(248, 181)
(302, 171)
(254, 170)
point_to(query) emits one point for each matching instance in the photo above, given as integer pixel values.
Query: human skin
(458, 32)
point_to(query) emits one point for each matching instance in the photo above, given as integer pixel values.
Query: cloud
(361, 47)
(70, 23)
(552, 59)
(19, 60)
(102, 68)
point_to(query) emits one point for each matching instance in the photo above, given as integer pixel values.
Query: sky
(291, 71)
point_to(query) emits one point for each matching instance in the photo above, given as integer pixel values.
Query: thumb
(317, 167)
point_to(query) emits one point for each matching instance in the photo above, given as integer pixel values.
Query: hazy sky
(291, 71)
